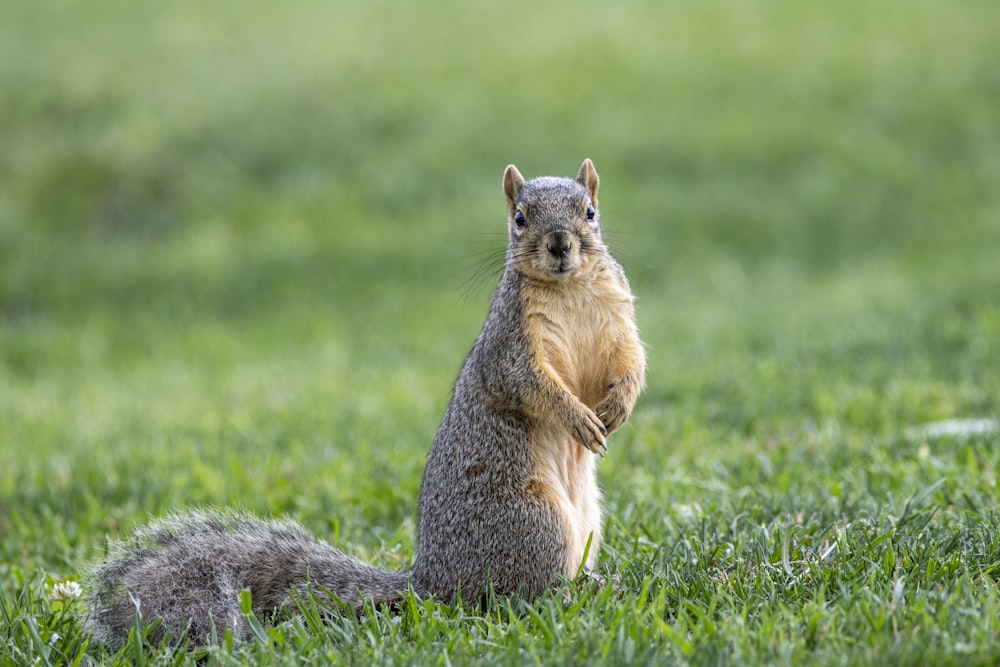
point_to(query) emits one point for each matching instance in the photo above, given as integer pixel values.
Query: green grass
(238, 256)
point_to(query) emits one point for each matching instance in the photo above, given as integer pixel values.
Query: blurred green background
(240, 241)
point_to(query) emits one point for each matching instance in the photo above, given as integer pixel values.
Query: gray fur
(477, 527)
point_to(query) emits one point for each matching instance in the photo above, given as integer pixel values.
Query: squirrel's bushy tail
(189, 571)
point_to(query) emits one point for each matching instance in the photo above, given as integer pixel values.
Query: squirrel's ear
(512, 183)
(588, 179)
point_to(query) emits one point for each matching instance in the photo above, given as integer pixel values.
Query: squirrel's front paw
(588, 430)
(612, 412)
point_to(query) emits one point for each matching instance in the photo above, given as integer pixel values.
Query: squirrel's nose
(559, 244)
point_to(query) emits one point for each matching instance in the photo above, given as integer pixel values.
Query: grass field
(240, 264)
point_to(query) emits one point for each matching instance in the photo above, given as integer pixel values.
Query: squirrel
(509, 499)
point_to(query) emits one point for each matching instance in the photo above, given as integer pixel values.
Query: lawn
(244, 248)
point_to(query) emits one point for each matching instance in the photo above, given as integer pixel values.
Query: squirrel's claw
(598, 447)
(594, 443)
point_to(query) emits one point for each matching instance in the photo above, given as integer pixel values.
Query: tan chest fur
(579, 328)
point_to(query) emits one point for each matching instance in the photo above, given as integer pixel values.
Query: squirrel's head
(554, 223)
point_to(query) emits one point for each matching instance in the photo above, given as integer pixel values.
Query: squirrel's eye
(519, 220)
(590, 212)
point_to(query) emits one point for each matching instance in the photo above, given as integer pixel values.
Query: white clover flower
(66, 590)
